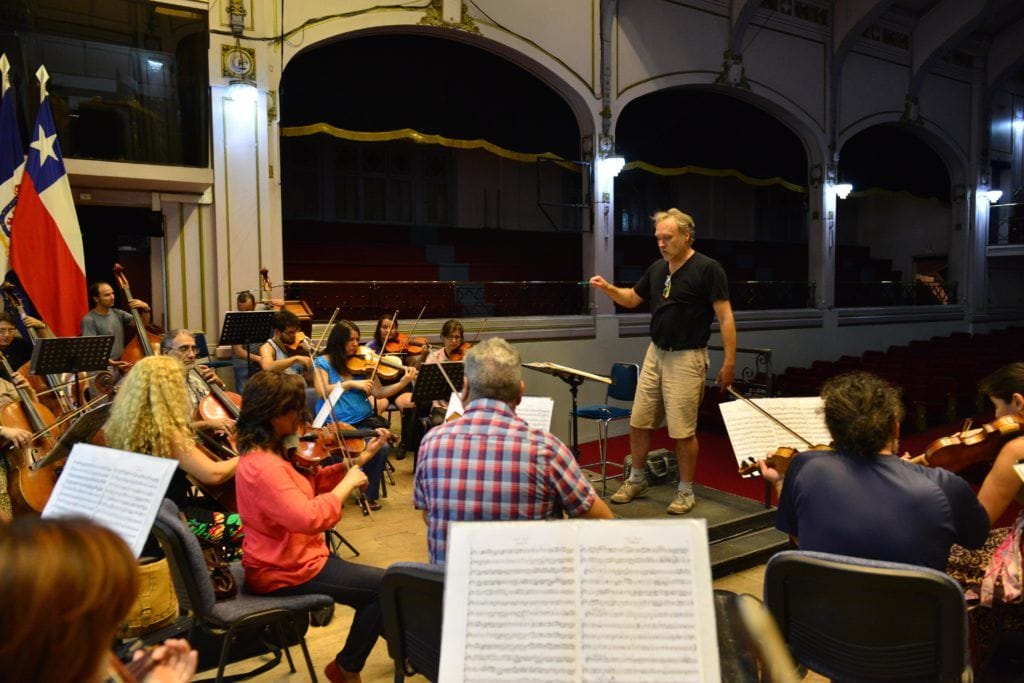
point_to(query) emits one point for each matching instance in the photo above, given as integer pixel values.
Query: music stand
(431, 385)
(81, 430)
(57, 355)
(574, 378)
(246, 327)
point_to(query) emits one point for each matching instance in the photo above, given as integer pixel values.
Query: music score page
(576, 600)
(754, 435)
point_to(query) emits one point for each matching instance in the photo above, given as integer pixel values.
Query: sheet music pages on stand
(117, 489)
(536, 411)
(753, 435)
(559, 601)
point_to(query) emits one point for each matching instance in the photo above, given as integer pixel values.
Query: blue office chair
(623, 388)
(203, 353)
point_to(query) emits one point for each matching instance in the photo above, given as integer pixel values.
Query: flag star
(44, 143)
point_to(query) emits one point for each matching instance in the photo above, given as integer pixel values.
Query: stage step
(741, 531)
(745, 550)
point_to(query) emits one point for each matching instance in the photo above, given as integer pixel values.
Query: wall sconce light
(1018, 122)
(993, 196)
(611, 165)
(843, 190)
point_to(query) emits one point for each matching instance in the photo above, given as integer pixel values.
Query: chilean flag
(46, 242)
(12, 163)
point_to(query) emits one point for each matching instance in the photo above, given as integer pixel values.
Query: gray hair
(167, 343)
(492, 370)
(684, 222)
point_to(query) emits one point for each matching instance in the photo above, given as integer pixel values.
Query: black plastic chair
(852, 619)
(623, 388)
(412, 602)
(229, 618)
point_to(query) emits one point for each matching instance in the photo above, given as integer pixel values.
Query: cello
(145, 337)
(29, 488)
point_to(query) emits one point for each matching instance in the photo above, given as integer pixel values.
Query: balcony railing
(890, 293)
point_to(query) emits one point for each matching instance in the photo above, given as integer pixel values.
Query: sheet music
(536, 411)
(117, 489)
(325, 409)
(753, 435)
(529, 601)
(454, 406)
(571, 371)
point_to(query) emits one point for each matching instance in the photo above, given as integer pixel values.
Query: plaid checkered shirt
(490, 465)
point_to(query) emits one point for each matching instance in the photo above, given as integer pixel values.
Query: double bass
(145, 337)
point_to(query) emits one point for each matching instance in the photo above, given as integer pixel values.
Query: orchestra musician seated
(151, 414)
(490, 464)
(452, 335)
(361, 399)
(181, 344)
(991, 576)
(861, 498)
(103, 319)
(287, 508)
(68, 585)
(286, 351)
(15, 436)
(244, 356)
(18, 349)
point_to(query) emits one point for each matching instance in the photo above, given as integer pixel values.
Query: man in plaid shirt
(489, 464)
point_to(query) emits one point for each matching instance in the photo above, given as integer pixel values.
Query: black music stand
(81, 430)
(56, 355)
(574, 378)
(246, 327)
(431, 384)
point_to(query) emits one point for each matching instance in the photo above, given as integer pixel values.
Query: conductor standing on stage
(686, 290)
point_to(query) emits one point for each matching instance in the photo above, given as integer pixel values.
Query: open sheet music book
(579, 600)
(754, 435)
(555, 369)
(116, 489)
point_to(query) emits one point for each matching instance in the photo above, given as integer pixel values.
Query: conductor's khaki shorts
(670, 389)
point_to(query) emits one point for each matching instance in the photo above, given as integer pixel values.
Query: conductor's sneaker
(683, 503)
(629, 490)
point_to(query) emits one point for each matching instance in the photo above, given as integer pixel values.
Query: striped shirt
(490, 465)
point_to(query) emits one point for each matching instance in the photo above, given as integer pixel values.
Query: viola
(780, 459)
(145, 337)
(29, 487)
(972, 446)
(316, 445)
(403, 343)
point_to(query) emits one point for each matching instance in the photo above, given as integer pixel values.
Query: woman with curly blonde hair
(151, 415)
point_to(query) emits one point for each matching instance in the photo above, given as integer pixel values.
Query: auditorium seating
(938, 376)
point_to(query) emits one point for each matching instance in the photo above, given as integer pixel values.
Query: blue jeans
(357, 586)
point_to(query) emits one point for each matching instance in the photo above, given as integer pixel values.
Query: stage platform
(741, 532)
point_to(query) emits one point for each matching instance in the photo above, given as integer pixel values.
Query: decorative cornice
(434, 17)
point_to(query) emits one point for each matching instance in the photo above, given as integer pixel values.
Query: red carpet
(716, 466)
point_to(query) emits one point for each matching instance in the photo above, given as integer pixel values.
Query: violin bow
(380, 351)
(413, 330)
(321, 387)
(479, 330)
(766, 414)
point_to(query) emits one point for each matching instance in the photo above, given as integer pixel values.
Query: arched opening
(737, 170)
(446, 179)
(894, 231)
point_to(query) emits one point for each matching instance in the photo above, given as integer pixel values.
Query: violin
(459, 354)
(316, 445)
(403, 343)
(365, 360)
(145, 337)
(972, 446)
(29, 487)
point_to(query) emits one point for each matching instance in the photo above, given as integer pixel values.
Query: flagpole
(42, 76)
(5, 68)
